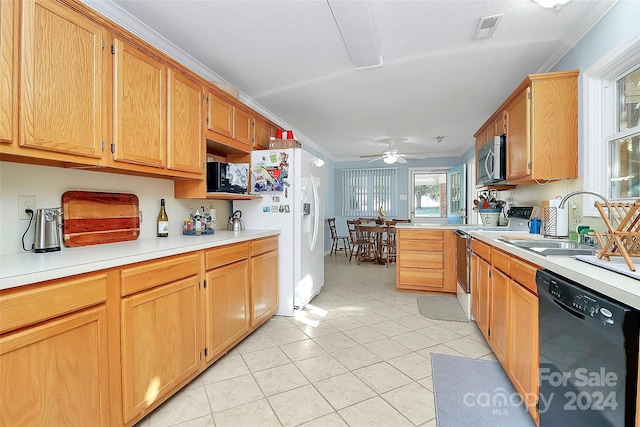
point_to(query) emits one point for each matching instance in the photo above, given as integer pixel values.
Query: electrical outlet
(26, 202)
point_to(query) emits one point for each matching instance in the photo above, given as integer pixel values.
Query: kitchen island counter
(28, 267)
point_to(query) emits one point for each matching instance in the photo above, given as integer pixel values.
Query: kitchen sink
(552, 247)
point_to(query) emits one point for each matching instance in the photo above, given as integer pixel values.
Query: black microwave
(227, 177)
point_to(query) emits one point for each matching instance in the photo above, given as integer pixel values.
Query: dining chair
(354, 242)
(336, 239)
(390, 244)
(365, 243)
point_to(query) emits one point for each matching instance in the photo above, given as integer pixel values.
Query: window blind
(364, 191)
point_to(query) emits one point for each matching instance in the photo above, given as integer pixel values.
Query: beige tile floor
(358, 355)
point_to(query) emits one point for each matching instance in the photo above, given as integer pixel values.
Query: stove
(518, 220)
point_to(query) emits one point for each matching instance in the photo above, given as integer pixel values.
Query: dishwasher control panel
(580, 300)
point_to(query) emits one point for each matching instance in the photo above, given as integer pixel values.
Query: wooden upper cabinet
(243, 126)
(139, 85)
(262, 133)
(519, 136)
(542, 128)
(219, 115)
(61, 81)
(185, 137)
(500, 124)
(8, 74)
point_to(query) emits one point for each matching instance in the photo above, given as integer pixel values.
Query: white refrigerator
(290, 182)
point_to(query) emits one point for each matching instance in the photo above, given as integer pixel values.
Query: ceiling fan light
(390, 159)
(551, 4)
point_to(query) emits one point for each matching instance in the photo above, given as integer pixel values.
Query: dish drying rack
(622, 237)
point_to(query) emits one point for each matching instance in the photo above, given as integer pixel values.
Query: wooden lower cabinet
(506, 311)
(226, 307)
(500, 314)
(426, 260)
(159, 345)
(264, 280)
(522, 353)
(106, 348)
(480, 292)
(56, 373)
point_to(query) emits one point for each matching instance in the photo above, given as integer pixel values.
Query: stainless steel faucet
(565, 198)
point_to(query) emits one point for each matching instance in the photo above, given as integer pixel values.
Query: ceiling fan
(391, 155)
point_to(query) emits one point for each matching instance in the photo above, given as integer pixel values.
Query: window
(429, 193)
(625, 143)
(364, 191)
(610, 146)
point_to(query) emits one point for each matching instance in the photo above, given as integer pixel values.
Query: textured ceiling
(288, 57)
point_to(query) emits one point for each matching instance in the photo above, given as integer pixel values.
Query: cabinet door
(264, 287)
(499, 314)
(56, 373)
(138, 107)
(263, 132)
(480, 289)
(185, 142)
(519, 136)
(522, 353)
(61, 81)
(8, 77)
(159, 346)
(227, 306)
(500, 124)
(219, 115)
(242, 126)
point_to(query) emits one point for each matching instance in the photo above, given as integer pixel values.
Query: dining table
(375, 233)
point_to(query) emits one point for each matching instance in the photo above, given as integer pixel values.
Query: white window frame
(600, 115)
(390, 207)
(410, 204)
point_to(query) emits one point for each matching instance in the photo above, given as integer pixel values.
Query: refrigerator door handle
(316, 211)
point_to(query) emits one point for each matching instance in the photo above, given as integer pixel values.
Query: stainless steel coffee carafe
(48, 221)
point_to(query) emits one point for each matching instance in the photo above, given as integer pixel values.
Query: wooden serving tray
(93, 218)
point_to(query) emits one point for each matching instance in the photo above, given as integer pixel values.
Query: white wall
(49, 183)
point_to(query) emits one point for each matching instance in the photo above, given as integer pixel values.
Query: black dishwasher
(588, 356)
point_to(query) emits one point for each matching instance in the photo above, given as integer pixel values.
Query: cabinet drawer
(501, 261)
(420, 234)
(420, 245)
(420, 278)
(524, 273)
(420, 259)
(226, 255)
(482, 249)
(264, 245)
(154, 273)
(31, 304)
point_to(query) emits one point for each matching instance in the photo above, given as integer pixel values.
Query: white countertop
(28, 267)
(614, 285)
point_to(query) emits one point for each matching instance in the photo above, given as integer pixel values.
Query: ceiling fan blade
(412, 156)
(401, 160)
(377, 158)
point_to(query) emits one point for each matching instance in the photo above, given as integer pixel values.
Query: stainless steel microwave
(227, 177)
(491, 161)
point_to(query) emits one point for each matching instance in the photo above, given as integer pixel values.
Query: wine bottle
(163, 221)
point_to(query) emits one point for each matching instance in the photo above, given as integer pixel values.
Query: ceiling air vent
(486, 27)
